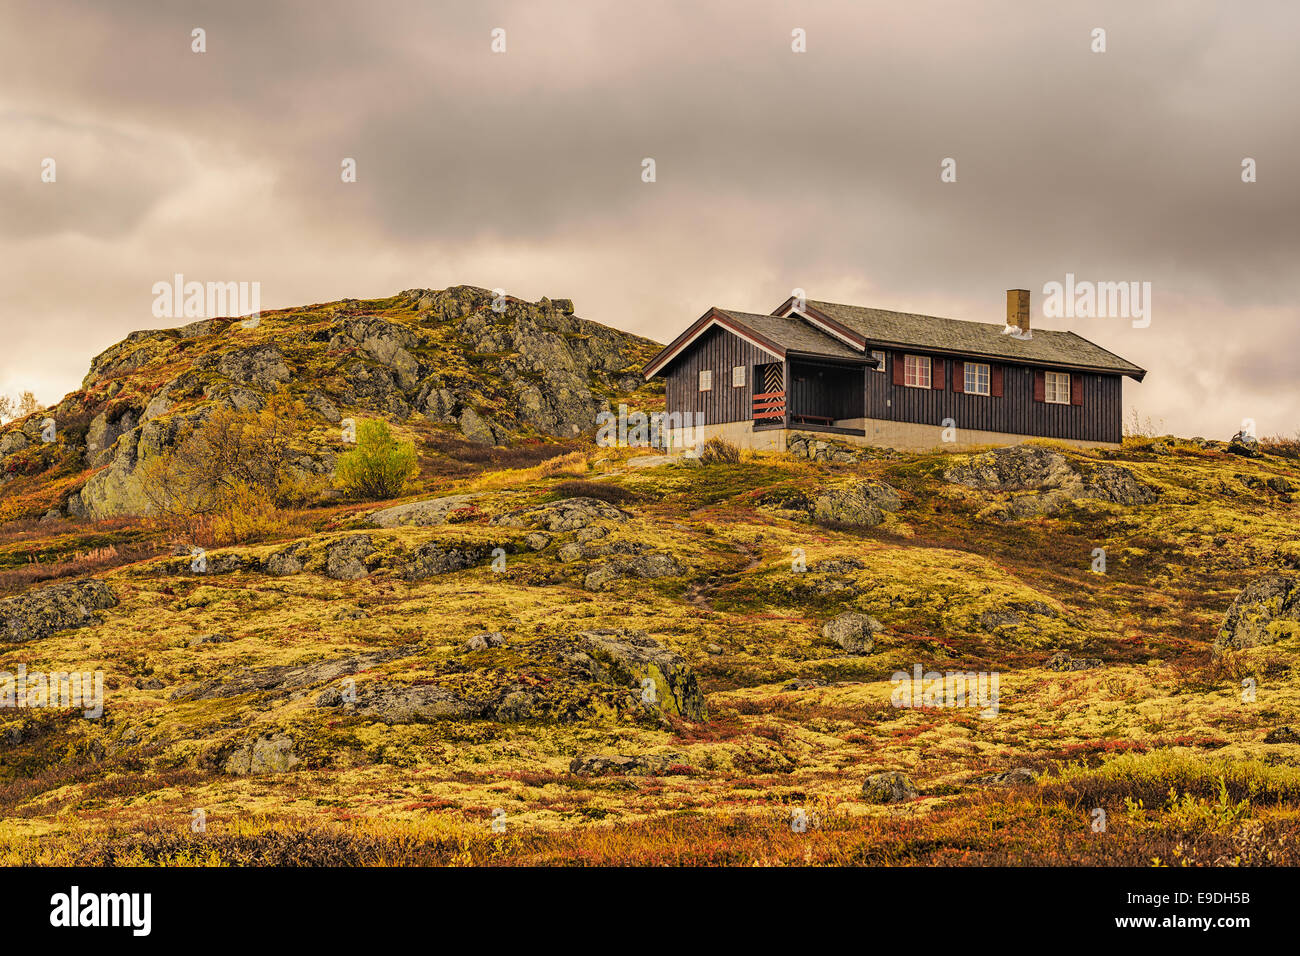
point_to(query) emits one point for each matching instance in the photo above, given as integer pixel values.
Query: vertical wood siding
(718, 351)
(1098, 418)
(839, 394)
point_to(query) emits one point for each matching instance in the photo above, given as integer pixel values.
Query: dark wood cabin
(822, 366)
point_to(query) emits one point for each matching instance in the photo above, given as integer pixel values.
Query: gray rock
(569, 552)
(1061, 661)
(405, 703)
(1017, 776)
(600, 765)
(629, 658)
(286, 679)
(13, 441)
(537, 541)
(432, 511)
(854, 632)
(259, 365)
(655, 564)
(1051, 475)
(477, 428)
(435, 558)
(567, 514)
(286, 562)
(1266, 611)
(40, 612)
(652, 461)
(1243, 444)
(485, 640)
(860, 503)
(345, 558)
(266, 754)
(888, 788)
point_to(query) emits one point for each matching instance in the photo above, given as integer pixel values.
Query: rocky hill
(446, 358)
(586, 655)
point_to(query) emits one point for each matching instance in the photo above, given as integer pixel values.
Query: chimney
(1018, 309)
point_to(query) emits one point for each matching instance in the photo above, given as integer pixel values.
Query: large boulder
(854, 632)
(1266, 611)
(634, 659)
(435, 558)
(654, 564)
(431, 511)
(44, 611)
(1051, 477)
(345, 559)
(888, 788)
(857, 503)
(262, 366)
(567, 514)
(1014, 468)
(862, 503)
(403, 703)
(266, 754)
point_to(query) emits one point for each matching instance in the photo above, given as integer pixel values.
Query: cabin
(890, 379)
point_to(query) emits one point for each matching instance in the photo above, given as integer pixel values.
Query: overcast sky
(774, 169)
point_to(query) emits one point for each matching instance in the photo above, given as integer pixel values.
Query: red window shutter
(1076, 389)
(1040, 385)
(938, 372)
(897, 359)
(995, 381)
(958, 376)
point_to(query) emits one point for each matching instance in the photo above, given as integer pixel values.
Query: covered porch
(811, 395)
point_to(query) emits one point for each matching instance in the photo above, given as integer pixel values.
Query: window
(706, 381)
(977, 378)
(1057, 390)
(916, 371)
(880, 359)
(738, 376)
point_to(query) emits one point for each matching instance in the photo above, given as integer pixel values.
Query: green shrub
(379, 466)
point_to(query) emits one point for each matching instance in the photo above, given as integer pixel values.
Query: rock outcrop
(888, 788)
(46, 610)
(489, 369)
(1266, 611)
(1051, 479)
(854, 632)
(567, 514)
(855, 503)
(661, 677)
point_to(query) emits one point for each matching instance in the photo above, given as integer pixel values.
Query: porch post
(789, 391)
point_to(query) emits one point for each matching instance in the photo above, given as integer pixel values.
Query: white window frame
(980, 375)
(913, 365)
(706, 380)
(737, 376)
(1056, 388)
(880, 359)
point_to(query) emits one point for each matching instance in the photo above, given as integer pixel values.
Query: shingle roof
(793, 334)
(909, 330)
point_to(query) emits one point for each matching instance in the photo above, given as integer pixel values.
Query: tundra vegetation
(535, 650)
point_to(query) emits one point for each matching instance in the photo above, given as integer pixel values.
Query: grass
(1160, 736)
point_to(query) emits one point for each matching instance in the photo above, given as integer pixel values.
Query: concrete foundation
(878, 433)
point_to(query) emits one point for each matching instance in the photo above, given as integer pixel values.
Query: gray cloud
(775, 169)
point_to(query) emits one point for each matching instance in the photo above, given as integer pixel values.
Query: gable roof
(848, 333)
(777, 335)
(880, 327)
